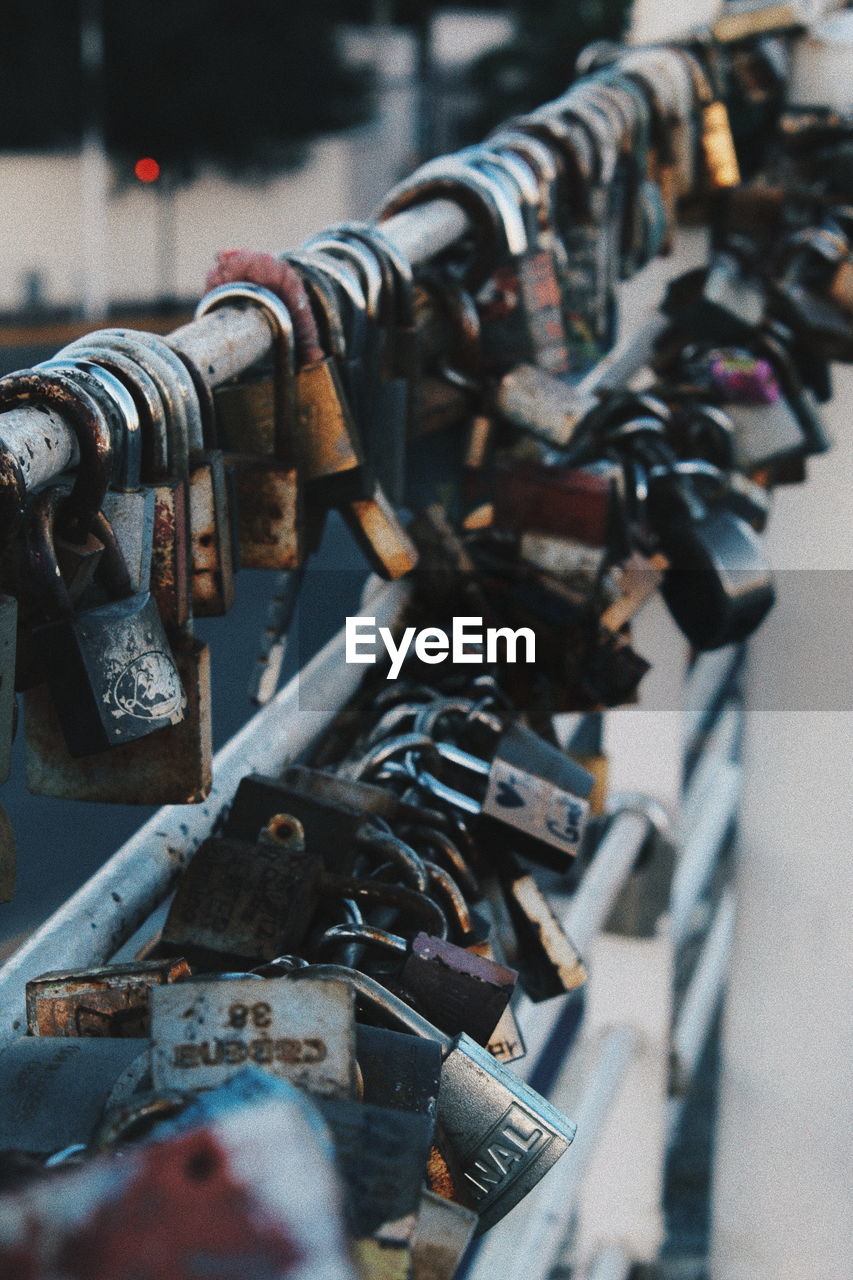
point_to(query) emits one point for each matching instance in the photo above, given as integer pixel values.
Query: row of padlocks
(304, 1069)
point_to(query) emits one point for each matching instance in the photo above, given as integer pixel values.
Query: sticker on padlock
(204, 1032)
(174, 766)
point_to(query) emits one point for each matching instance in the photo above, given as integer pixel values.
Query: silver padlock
(504, 1136)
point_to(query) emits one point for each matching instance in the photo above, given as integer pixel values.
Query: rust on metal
(110, 1000)
(268, 512)
(170, 553)
(173, 766)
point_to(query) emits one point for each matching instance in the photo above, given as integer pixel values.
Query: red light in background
(147, 169)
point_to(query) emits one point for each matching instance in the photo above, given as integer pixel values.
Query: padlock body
(111, 674)
(505, 1137)
(174, 767)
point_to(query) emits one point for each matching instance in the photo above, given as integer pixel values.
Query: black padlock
(109, 668)
(718, 587)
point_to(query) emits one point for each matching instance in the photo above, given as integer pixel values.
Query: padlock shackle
(41, 552)
(372, 839)
(379, 999)
(450, 179)
(398, 264)
(357, 255)
(120, 408)
(152, 363)
(278, 318)
(181, 381)
(84, 414)
(149, 402)
(361, 932)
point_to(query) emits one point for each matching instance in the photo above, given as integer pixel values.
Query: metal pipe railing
(702, 996)
(529, 1246)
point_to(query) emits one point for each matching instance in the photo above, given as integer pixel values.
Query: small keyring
(86, 419)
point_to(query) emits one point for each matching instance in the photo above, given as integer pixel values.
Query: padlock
(399, 372)
(534, 794)
(56, 1089)
(243, 1189)
(586, 745)
(128, 507)
(456, 989)
(563, 501)
(382, 435)
(548, 962)
(547, 407)
(108, 1001)
(397, 1071)
(330, 448)
(646, 220)
(330, 823)
(586, 269)
(263, 473)
(721, 169)
(204, 1032)
(537, 283)
(165, 452)
(551, 176)
(381, 1156)
(238, 902)
(174, 766)
(110, 671)
(503, 1136)
(718, 586)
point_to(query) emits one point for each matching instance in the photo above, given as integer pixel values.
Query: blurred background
(136, 141)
